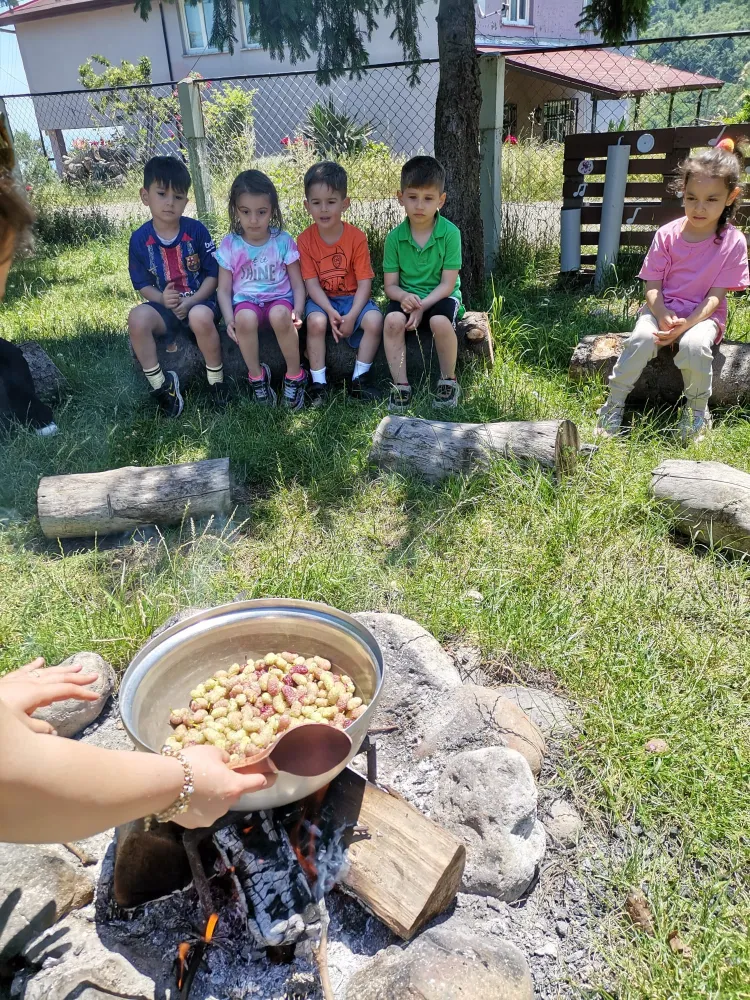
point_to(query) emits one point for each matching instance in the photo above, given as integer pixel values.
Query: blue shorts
(343, 305)
(175, 325)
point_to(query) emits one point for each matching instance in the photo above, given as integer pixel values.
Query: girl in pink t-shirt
(691, 265)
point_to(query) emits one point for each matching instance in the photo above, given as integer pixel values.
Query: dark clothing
(18, 399)
(448, 307)
(187, 261)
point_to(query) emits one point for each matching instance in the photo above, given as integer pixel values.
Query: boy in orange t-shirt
(335, 262)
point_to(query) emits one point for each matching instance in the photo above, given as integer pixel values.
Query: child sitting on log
(691, 265)
(172, 265)
(421, 264)
(335, 262)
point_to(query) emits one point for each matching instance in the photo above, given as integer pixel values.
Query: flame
(183, 950)
(304, 834)
(211, 927)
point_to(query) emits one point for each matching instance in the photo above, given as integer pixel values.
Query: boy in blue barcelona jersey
(172, 265)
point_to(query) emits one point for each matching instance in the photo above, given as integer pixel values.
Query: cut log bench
(661, 381)
(710, 501)
(181, 354)
(435, 449)
(103, 503)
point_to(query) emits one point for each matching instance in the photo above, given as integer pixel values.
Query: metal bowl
(163, 673)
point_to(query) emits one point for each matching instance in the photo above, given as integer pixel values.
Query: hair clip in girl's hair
(727, 144)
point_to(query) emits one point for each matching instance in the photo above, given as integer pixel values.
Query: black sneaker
(168, 396)
(446, 394)
(219, 395)
(400, 398)
(294, 392)
(262, 391)
(318, 394)
(364, 388)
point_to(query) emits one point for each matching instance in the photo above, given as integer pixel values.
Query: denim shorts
(343, 305)
(175, 325)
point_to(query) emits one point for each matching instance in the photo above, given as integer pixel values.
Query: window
(249, 30)
(199, 22)
(517, 12)
(560, 119)
(510, 120)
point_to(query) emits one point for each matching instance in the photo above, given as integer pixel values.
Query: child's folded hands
(170, 296)
(411, 302)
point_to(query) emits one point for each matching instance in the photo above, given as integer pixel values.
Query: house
(548, 94)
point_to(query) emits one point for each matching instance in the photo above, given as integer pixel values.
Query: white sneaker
(609, 419)
(48, 430)
(694, 425)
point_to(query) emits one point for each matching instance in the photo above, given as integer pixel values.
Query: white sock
(215, 375)
(155, 377)
(360, 368)
(319, 375)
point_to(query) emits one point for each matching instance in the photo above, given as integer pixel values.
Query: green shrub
(230, 125)
(333, 133)
(32, 160)
(66, 226)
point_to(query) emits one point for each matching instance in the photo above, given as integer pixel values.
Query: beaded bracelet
(181, 804)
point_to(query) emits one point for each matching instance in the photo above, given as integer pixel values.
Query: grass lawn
(583, 580)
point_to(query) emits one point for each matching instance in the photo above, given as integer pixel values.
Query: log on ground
(405, 869)
(181, 354)
(661, 380)
(103, 503)
(436, 448)
(709, 500)
(50, 384)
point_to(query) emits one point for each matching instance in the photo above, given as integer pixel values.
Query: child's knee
(142, 321)
(372, 322)
(246, 323)
(395, 325)
(279, 317)
(201, 320)
(442, 327)
(317, 324)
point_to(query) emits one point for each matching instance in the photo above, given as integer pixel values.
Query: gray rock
(488, 798)
(50, 384)
(553, 715)
(38, 886)
(561, 928)
(475, 717)
(547, 949)
(416, 663)
(447, 962)
(70, 717)
(563, 822)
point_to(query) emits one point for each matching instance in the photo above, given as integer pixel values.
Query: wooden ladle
(306, 751)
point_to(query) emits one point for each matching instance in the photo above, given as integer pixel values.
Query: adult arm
(55, 790)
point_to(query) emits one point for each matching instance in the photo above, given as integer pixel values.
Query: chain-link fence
(86, 149)
(552, 93)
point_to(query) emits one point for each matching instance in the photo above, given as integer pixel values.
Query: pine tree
(338, 32)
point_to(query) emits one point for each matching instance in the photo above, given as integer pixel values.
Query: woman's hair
(726, 162)
(16, 215)
(254, 182)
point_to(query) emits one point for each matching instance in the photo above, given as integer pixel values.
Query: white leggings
(694, 359)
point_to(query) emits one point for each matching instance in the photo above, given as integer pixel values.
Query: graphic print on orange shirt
(333, 269)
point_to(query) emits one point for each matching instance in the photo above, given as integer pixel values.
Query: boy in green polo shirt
(421, 264)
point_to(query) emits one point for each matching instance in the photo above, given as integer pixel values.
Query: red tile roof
(605, 73)
(34, 10)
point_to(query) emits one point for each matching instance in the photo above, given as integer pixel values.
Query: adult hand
(33, 686)
(668, 321)
(231, 332)
(411, 302)
(296, 319)
(217, 788)
(346, 327)
(170, 296)
(415, 318)
(182, 307)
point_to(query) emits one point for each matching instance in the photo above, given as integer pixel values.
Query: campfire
(261, 878)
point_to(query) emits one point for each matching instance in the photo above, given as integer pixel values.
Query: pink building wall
(550, 19)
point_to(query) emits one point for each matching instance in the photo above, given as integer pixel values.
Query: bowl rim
(170, 637)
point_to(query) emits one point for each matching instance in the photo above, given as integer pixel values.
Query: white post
(195, 139)
(492, 78)
(613, 201)
(570, 240)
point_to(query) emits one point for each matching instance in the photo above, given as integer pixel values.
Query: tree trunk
(459, 99)
(709, 500)
(181, 354)
(104, 503)
(435, 449)
(661, 380)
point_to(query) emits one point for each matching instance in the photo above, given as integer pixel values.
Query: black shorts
(175, 325)
(443, 307)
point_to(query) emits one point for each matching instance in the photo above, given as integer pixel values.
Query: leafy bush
(333, 132)
(230, 125)
(67, 226)
(32, 160)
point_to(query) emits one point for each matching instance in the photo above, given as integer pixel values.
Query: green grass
(583, 580)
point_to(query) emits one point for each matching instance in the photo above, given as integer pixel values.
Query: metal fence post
(492, 79)
(195, 139)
